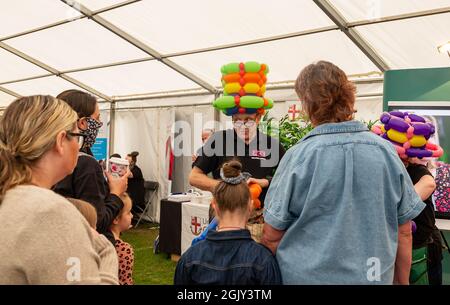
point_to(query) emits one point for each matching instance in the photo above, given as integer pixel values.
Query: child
(229, 255)
(124, 250)
(87, 210)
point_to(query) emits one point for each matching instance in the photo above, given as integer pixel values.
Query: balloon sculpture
(413, 227)
(244, 85)
(409, 133)
(255, 191)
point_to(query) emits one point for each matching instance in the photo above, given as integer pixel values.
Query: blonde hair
(28, 130)
(87, 210)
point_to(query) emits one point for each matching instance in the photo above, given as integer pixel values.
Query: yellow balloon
(251, 88)
(232, 88)
(397, 136)
(418, 141)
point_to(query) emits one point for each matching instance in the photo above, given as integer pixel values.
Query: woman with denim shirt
(339, 208)
(229, 255)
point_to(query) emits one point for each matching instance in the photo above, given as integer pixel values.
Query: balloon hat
(244, 85)
(409, 133)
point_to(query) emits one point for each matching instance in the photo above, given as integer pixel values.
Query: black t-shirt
(425, 222)
(260, 157)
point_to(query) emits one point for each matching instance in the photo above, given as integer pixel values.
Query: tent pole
(112, 125)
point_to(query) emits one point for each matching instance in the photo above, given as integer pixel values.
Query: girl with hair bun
(136, 188)
(229, 255)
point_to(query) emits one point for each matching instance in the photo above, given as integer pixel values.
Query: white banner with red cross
(194, 219)
(294, 110)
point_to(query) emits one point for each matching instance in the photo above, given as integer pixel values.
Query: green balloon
(251, 102)
(231, 68)
(270, 105)
(224, 102)
(252, 67)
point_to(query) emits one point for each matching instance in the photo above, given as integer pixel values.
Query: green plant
(370, 123)
(288, 132)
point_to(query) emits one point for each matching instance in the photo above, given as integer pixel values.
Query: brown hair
(126, 199)
(326, 93)
(82, 102)
(230, 197)
(87, 210)
(133, 155)
(28, 129)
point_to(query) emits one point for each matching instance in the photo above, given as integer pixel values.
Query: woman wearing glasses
(44, 239)
(87, 181)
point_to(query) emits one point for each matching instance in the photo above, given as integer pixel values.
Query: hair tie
(234, 180)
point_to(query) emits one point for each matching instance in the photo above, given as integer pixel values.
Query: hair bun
(134, 154)
(232, 169)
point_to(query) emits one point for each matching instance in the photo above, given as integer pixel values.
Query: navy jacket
(227, 258)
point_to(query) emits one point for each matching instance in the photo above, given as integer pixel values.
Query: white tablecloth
(443, 224)
(194, 219)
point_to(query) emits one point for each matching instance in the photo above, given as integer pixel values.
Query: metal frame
(7, 91)
(139, 44)
(58, 23)
(341, 24)
(353, 35)
(52, 70)
(200, 92)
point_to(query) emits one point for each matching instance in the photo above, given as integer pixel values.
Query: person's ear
(59, 143)
(82, 124)
(215, 207)
(250, 206)
(116, 221)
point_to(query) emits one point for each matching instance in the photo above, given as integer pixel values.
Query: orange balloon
(252, 77)
(256, 203)
(232, 78)
(255, 190)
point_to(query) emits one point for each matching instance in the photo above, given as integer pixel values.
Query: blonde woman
(43, 238)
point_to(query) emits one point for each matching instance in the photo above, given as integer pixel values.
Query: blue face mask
(91, 132)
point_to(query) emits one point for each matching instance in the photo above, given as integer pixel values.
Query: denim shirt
(227, 258)
(340, 195)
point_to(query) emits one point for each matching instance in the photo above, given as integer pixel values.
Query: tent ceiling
(208, 24)
(372, 9)
(52, 85)
(297, 53)
(85, 44)
(407, 48)
(142, 46)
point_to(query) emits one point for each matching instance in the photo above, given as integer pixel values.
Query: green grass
(149, 268)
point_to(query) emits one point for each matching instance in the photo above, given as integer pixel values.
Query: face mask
(91, 132)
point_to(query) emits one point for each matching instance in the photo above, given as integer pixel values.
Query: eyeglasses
(80, 137)
(248, 124)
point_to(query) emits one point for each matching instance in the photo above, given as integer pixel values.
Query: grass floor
(149, 268)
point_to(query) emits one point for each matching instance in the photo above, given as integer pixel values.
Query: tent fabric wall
(147, 131)
(194, 120)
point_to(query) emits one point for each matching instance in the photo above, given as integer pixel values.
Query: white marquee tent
(148, 61)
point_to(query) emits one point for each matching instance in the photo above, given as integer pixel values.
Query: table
(180, 223)
(443, 224)
(169, 227)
